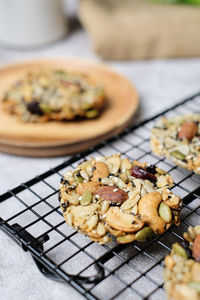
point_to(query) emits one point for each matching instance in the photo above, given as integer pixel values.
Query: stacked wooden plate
(61, 138)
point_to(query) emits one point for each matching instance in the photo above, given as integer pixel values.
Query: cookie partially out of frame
(108, 196)
(45, 95)
(178, 138)
(182, 271)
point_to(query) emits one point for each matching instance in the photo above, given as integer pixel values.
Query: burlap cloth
(137, 29)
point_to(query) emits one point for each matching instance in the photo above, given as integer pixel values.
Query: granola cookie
(107, 196)
(45, 95)
(182, 267)
(178, 138)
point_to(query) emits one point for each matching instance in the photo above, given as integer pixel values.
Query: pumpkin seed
(86, 198)
(165, 212)
(78, 178)
(177, 154)
(160, 171)
(179, 250)
(144, 234)
(128, 238)
(92, 113)
(45, 108)
(195, 285)
(86, 106)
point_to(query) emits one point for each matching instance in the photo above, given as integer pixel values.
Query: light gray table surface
(160, 84)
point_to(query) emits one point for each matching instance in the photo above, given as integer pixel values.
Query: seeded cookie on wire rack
(45, 95)
(111, 196)
(178, 138)
(182, 272)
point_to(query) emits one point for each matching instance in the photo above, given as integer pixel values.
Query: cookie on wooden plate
(112, 196)
(45, 95)
(182, 267)
(178, 138)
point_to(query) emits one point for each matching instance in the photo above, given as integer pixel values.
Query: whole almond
(196, 248)
(188, 131)
(112, 194)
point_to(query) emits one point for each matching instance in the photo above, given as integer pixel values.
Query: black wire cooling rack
(30, 214)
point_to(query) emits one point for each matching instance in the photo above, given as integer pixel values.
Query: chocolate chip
(34, 108)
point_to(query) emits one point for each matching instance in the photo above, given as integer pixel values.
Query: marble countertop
(160, 84)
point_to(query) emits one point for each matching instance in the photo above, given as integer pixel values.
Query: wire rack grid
(30, 214)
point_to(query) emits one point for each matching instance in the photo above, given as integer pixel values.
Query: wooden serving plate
(62, 138)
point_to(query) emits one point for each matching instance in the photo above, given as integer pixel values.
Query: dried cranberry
(142, 173)
(34, 108)
(151, 169)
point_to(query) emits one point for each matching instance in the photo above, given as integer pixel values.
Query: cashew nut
(90, 186)
(148, 210)
(122, 221)
(114, 232)
(101, 171)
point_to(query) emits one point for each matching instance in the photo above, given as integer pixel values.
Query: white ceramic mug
(28, 23)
